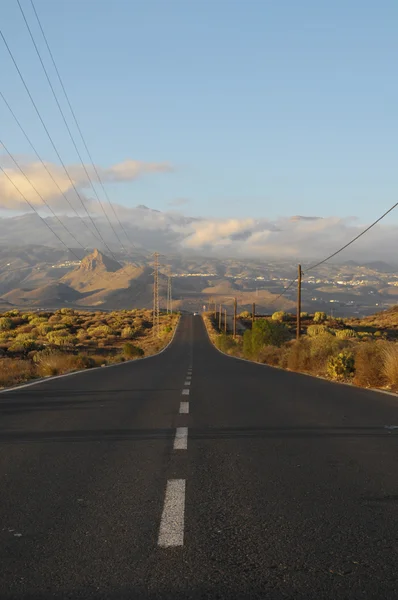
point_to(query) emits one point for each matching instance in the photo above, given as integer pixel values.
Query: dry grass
(369, 364)
(390, 364)
(14, 371)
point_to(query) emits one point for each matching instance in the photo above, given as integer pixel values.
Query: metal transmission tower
(156, 323)
(169, 294)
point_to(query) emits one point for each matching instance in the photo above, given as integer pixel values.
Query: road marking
(171, 531)
(181, 438)
(187, 383)
(185, 392)
(184, 408)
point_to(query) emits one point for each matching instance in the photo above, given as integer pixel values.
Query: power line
(77, 123)
(40, 196)
(44, 164)
(54, 146)
(65, 121)
(354, 239)
(321, 262)
(37, 213)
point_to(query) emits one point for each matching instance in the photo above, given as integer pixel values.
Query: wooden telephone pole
(219, 318)
(298, 333)
(235, 309)
(253, 313)
(225, 320)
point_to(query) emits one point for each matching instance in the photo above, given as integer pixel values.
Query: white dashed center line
(187, 383)
(171, 532)
(185, 392)
(184, 408)
(181, 438)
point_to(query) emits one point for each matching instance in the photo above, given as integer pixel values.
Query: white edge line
(134, 360)
(171, 531)
(253, 362)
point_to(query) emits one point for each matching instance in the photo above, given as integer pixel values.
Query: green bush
(320, 317)
(268, 333)
(314, 330)
(131, 351)
(341, 366)
(5, 324)
(304, 315)
(344, 334)
(279, 315)
(247, 344)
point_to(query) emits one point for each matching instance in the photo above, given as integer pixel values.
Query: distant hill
(52, 294)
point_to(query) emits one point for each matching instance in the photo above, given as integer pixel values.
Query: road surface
(267, 484)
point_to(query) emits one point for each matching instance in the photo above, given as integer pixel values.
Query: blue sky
(263, 108)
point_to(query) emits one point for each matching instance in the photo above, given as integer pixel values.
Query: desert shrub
(390, 364)
(100, 331)
(12, 313)
(314, 330)
(225, 343)
(14, 371)
(69, 320)
(344, 334)
(128, 333)
(245, 314)
(279, 315)
(270, 355)
(55, 319)
(132, 351)
(320, 317)
(61, 338)
(66, 311)
(43, 329)
(23, 342)
(298, 357)
(369, 361)
(37, 320)
(341, 366)
(5, 324)
(304, 315)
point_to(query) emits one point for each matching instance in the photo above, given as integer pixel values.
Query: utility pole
(156, 324)
(235, 309)
(169, 295)
(253, 313)
(298, 333)
(215, 310)
(219, 317)
(225, 320)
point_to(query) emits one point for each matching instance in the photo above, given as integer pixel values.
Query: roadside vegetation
(362, 352)
(42, 344)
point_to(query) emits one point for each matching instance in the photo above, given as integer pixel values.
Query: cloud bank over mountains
(295, 238)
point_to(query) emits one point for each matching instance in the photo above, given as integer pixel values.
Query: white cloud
(178, 202)
(10, 198)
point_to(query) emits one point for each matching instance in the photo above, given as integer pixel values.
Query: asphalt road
(267, 484)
